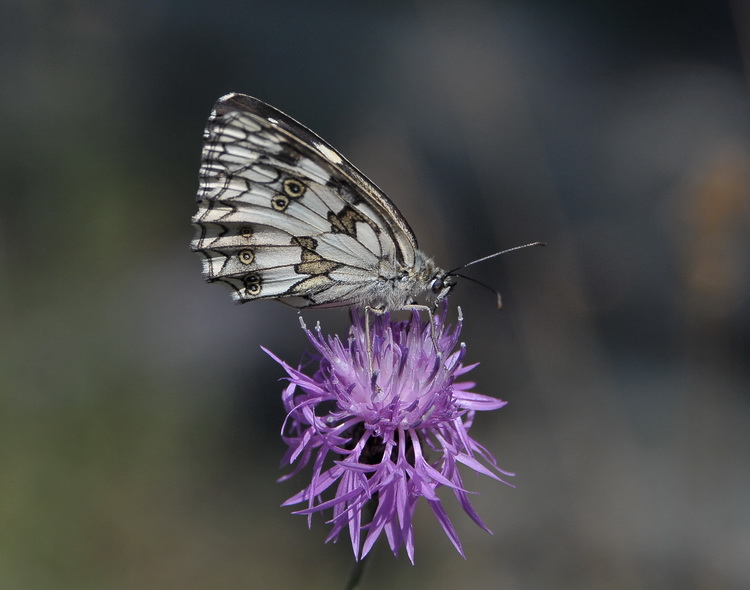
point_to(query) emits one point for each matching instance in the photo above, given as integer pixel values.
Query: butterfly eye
(442, 285)
(280, 202)
(246, 256)
(293, 188)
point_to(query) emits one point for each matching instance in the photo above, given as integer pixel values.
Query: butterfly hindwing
(358, 189)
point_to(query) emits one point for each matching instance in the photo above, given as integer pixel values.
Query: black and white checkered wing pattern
(283, 215)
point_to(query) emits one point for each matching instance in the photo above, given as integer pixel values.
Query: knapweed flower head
(384, 428)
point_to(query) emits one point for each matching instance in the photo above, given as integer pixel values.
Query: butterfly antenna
(486, 286)
(480, 283)
(453, 272)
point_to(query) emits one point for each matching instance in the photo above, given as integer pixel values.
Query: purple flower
(380, 439)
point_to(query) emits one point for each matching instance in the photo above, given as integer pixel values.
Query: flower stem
(356, 574)
(368, 512)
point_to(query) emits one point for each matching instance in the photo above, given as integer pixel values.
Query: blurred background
(139, 418)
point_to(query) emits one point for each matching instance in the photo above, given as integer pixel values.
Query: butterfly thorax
(398, 286)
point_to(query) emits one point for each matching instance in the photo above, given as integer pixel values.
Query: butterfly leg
(431, 315)
(374, 311)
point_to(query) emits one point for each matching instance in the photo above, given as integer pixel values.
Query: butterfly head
(442, 284)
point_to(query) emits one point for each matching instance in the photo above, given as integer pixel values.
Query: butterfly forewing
(283, 215)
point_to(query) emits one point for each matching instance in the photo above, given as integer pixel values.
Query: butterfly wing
(283, 215)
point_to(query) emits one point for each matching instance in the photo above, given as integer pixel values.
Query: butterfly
(283, 215)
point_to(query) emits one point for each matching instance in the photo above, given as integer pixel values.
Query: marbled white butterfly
(282, 215)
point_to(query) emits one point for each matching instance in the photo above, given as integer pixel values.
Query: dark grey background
(139, 419)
